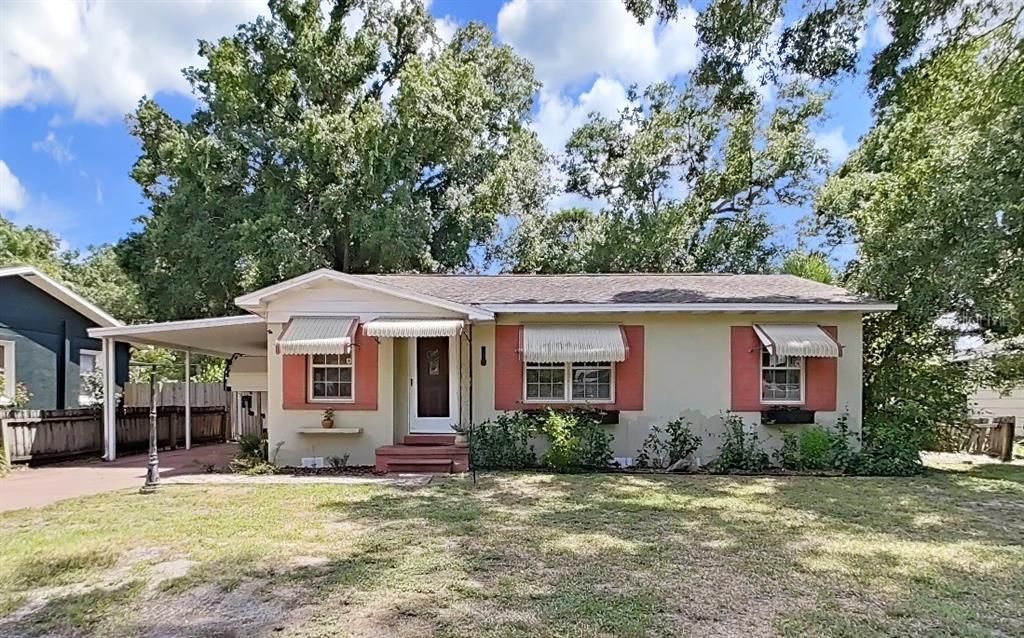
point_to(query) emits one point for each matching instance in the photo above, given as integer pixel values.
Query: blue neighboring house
(44, 341)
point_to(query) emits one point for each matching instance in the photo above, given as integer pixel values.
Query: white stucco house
(402, 359)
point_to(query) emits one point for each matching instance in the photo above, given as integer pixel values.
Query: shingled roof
(623, 289)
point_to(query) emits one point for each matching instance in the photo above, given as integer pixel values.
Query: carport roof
(221, 336)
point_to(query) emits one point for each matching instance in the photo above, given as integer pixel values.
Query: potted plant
(461, 435)
(327, 421)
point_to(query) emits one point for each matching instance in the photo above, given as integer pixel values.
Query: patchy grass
(529, 555)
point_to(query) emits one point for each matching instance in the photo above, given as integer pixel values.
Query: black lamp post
(153, 467)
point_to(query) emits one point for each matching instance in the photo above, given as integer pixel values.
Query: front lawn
(528, 555)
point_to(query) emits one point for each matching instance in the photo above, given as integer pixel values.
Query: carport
(224, 337)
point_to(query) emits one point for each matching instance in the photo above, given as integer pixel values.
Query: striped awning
(413, 327)
(318, 335)
(797, 340)
(572, 343)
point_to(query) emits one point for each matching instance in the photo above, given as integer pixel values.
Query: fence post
(5, 440)
(1005, 434)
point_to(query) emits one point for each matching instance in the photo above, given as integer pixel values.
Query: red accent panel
(508, 373)
(820, 374)
(822, 378)
(745, 370)
(508, 369)
(295, 381)
(629, 374)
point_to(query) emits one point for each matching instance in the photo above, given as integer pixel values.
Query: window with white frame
(88, 364)
(782, 378)
(7, 371)
(332, 377)
(584, 382)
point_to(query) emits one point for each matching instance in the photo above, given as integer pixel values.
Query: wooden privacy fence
(41, 435)
(991, 436)
(136, 395)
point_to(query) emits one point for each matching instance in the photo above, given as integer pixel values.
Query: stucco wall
(688, 373)
(283, 425)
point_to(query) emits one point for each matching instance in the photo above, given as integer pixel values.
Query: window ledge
(338, 431)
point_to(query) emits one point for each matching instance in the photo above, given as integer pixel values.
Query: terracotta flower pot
(327, 424)
(461, 440)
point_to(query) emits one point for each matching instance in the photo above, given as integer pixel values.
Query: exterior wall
(248, 374)
(688, 373)
(48, 339)
(283, 424)
(988, 402)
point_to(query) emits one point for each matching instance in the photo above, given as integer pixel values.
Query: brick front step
(421, 466)
(406, 458)
(429, 439)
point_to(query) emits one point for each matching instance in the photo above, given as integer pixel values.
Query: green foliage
(97, 275)
(504, 443)
(663, 447)
(22, 395)
(576, 441)
(891, 446)
(252, 456)
(813, 266)
(687, 183)
(816, 448)
(381, 149)
(92, 386)
(825, 40)
(338, 462)
(740, 450)
(28, 246)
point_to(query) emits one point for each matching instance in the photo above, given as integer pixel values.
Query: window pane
(319, 374)
(319, 390)
(86, 363)
(592, 381)
(3, 359)
(345, 390)
(345, 375)
(319, 358)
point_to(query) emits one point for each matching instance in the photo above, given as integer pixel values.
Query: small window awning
(572, 343)
(413, 327)
(318, 335)
(797, 340)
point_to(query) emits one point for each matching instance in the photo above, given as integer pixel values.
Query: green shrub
(663, 447)
(252, 456)
(740, 450)
(252, 446)
(816, 448)
(576, 440)
(890, 447)
(504, 443)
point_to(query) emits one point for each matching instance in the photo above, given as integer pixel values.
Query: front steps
(424, 454)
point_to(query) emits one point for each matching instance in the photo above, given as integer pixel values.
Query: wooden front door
(432, 376)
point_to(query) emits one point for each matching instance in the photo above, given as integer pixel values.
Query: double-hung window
(565, 382)
(782, 379)
(332, 377)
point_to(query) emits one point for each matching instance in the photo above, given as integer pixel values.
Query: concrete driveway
(36, 487)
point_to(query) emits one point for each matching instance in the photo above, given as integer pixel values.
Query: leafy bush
(740, 450)
(577, 441)
(816, 448)
(338, 462)
(504, 443)
(663, 447)
(891, 447)
(252, 456)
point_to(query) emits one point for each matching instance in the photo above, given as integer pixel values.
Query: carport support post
(188, 400)
(109, 400)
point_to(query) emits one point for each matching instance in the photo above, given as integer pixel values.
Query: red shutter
(629, 374)
(745, 370)
(508, 369)
(295, 382)
(821, 375)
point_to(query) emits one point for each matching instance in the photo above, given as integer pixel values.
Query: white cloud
(13, 196)
(570, 42)
(53, 147)
(559, 115)
(99, 193)
(101, 57)
(834, 143)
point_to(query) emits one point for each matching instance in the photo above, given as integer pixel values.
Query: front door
(432, 385)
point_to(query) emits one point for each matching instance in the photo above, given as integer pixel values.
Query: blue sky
(69, 72)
